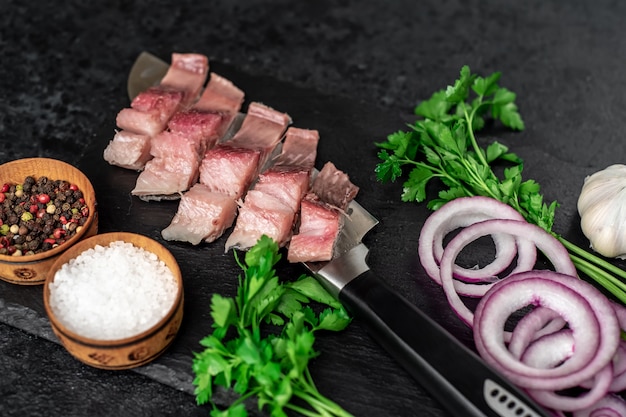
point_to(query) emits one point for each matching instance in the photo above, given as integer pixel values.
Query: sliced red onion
(619, 370)
(539, 322)
(589, 314)
(463, 212)
(546, 243)
(568, 403)
(608, 406)
(550, 350)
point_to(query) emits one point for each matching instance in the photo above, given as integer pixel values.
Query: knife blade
(453, 374)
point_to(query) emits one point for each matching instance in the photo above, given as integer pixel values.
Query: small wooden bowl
(32, 269)
(132, 351)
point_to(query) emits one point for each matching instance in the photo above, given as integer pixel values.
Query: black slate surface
(353, 70)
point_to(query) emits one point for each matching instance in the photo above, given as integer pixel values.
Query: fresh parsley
(262, 341)
(442, 144)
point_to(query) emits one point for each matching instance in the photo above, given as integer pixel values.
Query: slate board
(352, 369)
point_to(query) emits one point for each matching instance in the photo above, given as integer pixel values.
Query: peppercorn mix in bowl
(115, 300)
(46, 206)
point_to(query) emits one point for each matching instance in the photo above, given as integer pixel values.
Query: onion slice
(609, 406)
(548, 244)
(463, 212)
(589, 314)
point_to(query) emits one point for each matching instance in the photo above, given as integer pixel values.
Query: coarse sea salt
(112, 292)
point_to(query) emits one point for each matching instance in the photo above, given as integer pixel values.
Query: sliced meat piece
(334, 187)
(180, 148)
(202, 215)
(165, 178)
(320, 224)
(262, 129)
(288, 184)
(281, 188)
(229, 170)
(128, 150)
(299, 148)
(187, 73)
(203, 128)
(173, 145)
(173, 169)
(220, 95)
(150, 111)
(161, 99)
(322, 213)
(261, 214)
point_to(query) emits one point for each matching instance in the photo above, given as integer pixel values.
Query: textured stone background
(63, 81)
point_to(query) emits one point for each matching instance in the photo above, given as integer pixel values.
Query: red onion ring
(619, 370)
(571, 336)
(609, 406)
(565, 403)
(550, 350)
(589, 314)
(548, 244)
(539, 322)
(463, 212)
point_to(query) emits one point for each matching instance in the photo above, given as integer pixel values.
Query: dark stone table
(355, 69)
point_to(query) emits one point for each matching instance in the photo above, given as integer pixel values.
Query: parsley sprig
(262, 341)
(442, 144)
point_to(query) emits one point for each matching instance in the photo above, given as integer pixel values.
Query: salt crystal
(112, 292)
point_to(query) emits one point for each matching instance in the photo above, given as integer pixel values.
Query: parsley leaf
(442, 145)
(263, 340)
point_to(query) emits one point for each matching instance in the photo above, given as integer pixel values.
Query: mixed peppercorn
(39, 214)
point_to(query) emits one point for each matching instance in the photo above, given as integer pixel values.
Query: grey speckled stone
(63, 80)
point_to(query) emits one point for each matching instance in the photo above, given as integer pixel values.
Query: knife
(453, 374)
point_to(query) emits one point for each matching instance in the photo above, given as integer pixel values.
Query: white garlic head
(602, 209)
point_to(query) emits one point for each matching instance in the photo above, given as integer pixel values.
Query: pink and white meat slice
(226, 172)
(178, 150)
(270, 208)
(151, 110)
(322, 212)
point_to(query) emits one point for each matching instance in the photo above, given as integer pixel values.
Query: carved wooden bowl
(131, 351)
(33, 269)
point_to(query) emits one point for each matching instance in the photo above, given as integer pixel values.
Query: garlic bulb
(602, 209)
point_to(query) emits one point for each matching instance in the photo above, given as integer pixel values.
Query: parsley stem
(469, 118)
(608, 281)
(592, 258)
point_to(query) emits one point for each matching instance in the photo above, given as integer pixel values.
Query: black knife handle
(453, 374)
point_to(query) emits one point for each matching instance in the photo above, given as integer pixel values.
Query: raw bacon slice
(190, 133)
(321, 216)
(271, 207)
(228, 169)
(128, 150)
(202, 214)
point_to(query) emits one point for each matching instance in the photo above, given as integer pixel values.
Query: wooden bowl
(33, 269)
(129, 352)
